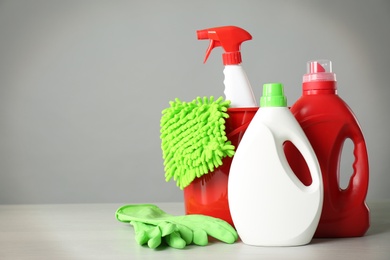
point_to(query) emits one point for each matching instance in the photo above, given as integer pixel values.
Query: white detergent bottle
(268, 204)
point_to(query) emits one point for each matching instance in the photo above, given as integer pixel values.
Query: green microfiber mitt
(193, 138)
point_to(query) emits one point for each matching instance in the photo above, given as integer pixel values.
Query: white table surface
(90, 231)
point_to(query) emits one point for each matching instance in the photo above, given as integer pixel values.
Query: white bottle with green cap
(268, 204)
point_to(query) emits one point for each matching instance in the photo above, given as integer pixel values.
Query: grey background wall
(83, 84)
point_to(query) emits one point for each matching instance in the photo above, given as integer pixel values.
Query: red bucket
(208, 195)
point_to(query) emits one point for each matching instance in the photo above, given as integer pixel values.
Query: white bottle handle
(305, 148)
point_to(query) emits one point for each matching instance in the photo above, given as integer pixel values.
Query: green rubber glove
(190, 228)
(145, 233)
(152, 235)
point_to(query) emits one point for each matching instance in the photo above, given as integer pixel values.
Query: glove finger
(174, 240)
(185, 233)
(222, 231)
(154, 238)
(214, 227)
(200, 237)
(166, 228)
(141, 238)
(141, 232)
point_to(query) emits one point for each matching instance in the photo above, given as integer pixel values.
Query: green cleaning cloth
(193, 138)
(153, 225)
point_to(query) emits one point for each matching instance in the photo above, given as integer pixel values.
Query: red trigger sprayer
(237, 87)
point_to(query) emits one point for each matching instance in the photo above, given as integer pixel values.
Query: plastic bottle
(268, 203)
(208, 194)
(328, 121)
(237, 87)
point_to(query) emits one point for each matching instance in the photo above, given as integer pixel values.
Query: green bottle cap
(273, 95)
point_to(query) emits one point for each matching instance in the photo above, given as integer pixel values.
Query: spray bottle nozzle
(229, 38)
(202, 34)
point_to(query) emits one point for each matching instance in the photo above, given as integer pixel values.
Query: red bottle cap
(319, 70)
(319, 76)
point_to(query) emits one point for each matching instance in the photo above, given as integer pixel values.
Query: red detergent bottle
(328, 122)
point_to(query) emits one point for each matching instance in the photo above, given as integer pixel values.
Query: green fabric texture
(193, 138)
(152, 226)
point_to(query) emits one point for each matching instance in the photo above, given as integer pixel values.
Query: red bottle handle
(358, 184)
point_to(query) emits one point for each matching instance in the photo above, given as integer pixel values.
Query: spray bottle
(208, 194)
(237, 87)
(268, 203)
(327, 122)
